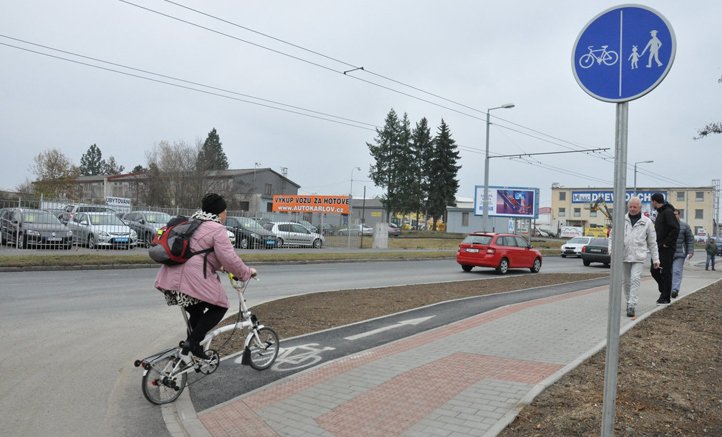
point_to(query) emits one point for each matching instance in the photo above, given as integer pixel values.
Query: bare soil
(670, 368)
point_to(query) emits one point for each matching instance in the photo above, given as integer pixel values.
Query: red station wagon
(499, 251)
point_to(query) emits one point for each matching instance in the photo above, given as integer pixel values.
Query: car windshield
(158, 217)
(578, 240)
(249, 223)
(40, 217)
(105, 219)
(477, 239)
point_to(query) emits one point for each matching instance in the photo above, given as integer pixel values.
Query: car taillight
(584, 248)
(490, 251)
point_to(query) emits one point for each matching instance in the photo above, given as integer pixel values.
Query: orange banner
(319, 204)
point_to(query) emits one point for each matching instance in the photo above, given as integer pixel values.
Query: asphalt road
(70, 337)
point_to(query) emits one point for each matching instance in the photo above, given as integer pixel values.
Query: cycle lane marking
(400, 324)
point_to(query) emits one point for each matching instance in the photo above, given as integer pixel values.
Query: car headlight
(254, 235)
(133, 234)
(32, 233)
(103, 234)
(69, 233)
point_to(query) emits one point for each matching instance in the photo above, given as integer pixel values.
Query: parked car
(33, 227)
(293, 234)
(718, 242)
(249, 234)
(307, 225)
(356, 230)
(72, 209)
(499, 251)
(146, 224)
(105, 229)
(597, 251)
(574, 246)
(394, 230)
(328, 229)
(232, 237)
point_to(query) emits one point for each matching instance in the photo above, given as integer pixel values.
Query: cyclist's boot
(193, 347)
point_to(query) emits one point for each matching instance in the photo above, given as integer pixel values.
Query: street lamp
(485, 219)
(350, 197)
(635, 174)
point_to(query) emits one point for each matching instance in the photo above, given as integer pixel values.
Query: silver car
(101, 229)
(294, 234)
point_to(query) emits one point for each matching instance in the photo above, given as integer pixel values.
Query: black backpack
(172, 246)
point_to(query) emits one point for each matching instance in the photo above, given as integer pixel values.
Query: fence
(31, 222)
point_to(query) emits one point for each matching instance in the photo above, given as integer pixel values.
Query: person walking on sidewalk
(639, 237)
(684, 252)
(667, 228)
(711, 249)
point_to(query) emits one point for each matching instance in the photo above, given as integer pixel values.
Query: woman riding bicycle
(187, 284)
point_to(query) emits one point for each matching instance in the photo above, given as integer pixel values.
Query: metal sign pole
(617, 277)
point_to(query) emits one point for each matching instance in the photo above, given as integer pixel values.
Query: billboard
(608, 196)
(320, 204)
(516, 202)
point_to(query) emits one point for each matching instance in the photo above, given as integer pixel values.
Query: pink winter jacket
(188, 277)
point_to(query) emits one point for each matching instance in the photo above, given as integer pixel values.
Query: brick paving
(463, 379)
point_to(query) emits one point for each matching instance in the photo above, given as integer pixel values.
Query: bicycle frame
(248, 320)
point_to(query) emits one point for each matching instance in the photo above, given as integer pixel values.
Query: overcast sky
(481, 54)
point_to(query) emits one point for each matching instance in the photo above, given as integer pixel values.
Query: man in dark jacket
(684, 252)
(667, 228)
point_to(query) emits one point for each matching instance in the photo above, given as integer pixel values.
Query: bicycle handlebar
(239, 284)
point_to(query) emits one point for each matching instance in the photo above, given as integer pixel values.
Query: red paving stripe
(396, 405)
(236, 420)
(297, 383)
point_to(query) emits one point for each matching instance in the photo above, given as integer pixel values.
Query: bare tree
(710, 128)
(55, 173)
(172, 174)
(25, 187)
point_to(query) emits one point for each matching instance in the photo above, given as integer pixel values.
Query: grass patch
(44, 260)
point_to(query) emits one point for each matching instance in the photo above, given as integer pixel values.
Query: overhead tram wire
(331, 58)
(297, 112)
(316, 64)
(356, 67)
(345, 63)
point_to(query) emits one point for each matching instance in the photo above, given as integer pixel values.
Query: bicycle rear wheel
(158, 387)
(263, 348)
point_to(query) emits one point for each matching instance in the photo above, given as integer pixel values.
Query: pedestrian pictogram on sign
(623, 53)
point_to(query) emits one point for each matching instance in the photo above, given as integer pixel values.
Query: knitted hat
(213, 203)
(658, 197)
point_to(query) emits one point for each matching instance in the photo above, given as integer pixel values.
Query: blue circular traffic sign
(623, 53)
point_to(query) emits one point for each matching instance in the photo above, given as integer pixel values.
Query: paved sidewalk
(469, 378)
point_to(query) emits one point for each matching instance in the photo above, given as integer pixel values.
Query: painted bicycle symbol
(601, 56)
(298, 357)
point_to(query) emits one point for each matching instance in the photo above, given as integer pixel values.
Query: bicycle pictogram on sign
(601, 56)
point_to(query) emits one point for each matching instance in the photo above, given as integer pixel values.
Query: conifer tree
(383, 151)
(211, 155)
(422, 146)
(91, 163)
(443, 182)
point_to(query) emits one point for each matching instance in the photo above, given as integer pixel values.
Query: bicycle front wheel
(160, 388)
(586, 60)
(263, 348)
